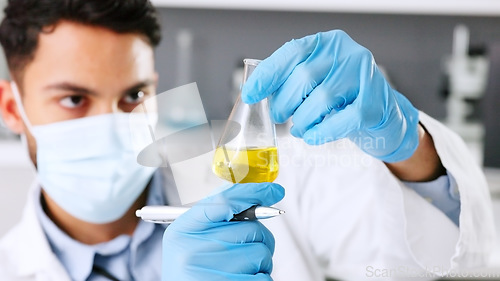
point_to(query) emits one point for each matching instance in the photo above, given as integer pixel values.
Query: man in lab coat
(391, 194)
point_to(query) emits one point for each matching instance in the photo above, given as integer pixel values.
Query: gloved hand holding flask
(203, 244)
(333, 89)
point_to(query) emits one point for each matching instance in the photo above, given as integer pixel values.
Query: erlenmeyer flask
(247, 150)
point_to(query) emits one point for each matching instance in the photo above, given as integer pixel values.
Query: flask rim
(253, 62)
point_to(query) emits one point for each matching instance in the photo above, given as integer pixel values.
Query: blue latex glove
(203, 244)
(333, 88)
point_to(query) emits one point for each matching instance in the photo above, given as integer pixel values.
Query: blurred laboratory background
(443, 55)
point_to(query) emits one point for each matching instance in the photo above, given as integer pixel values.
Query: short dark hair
(25, 19)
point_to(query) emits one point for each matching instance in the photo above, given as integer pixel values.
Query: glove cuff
(410, 141)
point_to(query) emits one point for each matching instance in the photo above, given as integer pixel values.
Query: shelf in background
(423, 7)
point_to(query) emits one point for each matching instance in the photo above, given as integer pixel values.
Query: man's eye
(135, 97)
(72, 101)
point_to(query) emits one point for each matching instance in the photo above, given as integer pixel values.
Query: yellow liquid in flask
(258, 164)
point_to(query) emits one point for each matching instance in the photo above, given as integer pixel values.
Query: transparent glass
(247, 150)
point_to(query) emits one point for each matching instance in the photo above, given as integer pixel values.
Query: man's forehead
(72, 50)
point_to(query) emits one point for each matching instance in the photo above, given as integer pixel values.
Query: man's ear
(9, 110)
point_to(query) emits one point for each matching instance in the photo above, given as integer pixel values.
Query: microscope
(467, 77)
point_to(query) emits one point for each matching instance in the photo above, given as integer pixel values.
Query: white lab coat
(25, 253)
(346, 217)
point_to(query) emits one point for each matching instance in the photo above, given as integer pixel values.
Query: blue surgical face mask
(88, 165)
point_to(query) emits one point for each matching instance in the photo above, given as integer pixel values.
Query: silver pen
(168, 214)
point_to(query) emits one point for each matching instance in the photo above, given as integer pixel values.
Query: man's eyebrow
(139, 85)
(70, 87)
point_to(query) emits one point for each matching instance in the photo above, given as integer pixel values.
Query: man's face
(80, 71)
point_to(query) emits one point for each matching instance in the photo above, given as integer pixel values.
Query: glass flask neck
(249, 67)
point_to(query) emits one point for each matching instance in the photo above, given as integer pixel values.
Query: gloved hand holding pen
(333, 89)
(203, 244)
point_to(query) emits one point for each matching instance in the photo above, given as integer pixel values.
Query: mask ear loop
(22, 112)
